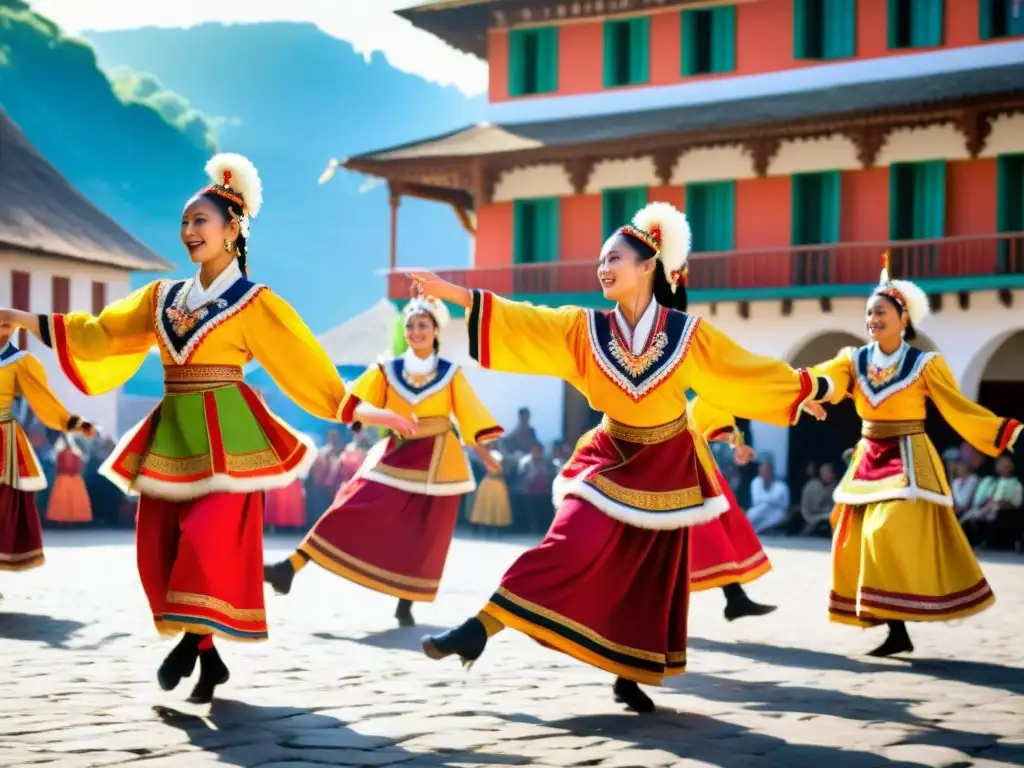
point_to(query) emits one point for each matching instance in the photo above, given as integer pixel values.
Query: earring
(229, 246)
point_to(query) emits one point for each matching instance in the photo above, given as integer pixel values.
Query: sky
(368, 24)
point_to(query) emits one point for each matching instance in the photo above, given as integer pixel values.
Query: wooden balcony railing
(818, 265)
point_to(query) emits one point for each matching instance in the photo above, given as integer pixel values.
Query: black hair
(357, 427)
(229, 210)
(663, 293)
(910, 333)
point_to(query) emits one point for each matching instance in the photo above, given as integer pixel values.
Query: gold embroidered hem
(23, 561)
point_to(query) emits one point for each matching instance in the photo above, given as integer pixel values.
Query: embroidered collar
(414, 388)
(907, 369)
(197, 295)
(10, 354)
(637, 337)
(419, 366)
(182, 330)
(639, 374)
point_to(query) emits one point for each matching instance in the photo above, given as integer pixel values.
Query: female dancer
(21, 475)
(491, 507)
(390, 528)
(69, 500)
(202, 459)
(898, 553)
(726, 552)
(609, 583)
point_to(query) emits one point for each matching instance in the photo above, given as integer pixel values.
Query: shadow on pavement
(1010, 679)
(31, 627)
(246, 735)
(396, 639)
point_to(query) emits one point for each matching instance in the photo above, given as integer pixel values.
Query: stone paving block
(338, 738)
(924, 754)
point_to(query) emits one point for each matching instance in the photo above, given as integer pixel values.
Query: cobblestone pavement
(340, 684)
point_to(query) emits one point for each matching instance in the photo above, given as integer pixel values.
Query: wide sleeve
(371, 388)
(990, 434)
(710, 420)
(99, 353)
(515, 337)
(840, 372)
(747, 385)
(476, 423)
(283, 344)
(31, 380)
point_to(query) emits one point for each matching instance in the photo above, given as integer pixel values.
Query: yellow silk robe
(683, 352)
(432, 399)
(22, 373)
(186, 448)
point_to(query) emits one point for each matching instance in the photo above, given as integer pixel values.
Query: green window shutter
(985, 19)
(636, 198)
(689, 44)
(926, 23)
(1010, 193)
(516, 63)
(799, 32)
(613, 211)
(723, 38)
(797, 204)
(696, 215)
(891, 25)
(1015, 22)
(722, 215)
(840, 28)
(639, 50)
(611, 55)
(522, 232)
(547, 231)
(901, 192)
(831, 206)
(930, 199)
(547, 60)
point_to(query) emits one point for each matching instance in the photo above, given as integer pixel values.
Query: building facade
(59, 253)
(803, 138)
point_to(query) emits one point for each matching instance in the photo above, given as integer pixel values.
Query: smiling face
(204, 230)
(420, 333)
(621, 271)
(884, 321)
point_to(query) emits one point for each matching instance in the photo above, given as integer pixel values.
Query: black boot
(212, 672)
(467, 640)
(738, 604)
(279, 576)
(897, 641)
(628, 692)
(404, 613)
(179, 662)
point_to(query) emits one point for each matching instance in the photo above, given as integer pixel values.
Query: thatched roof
(41, 212)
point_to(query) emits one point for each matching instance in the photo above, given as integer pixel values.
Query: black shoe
(279, 576)
(404, 614)
(738, 604)
(467, 640)
(179, 663)
(897, 641)
(212, 672)
(628, 692)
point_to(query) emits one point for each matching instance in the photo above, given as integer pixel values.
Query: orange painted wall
(494, 229)
(971, 202)
(763, 218)
(865, 206)
(581, 236)
(672, 195)
(764, 43)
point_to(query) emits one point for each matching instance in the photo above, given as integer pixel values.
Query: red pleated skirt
(609, 594)
(201, 564)
(21, 535)
(286, 506)
(389, 540)
(726, 550)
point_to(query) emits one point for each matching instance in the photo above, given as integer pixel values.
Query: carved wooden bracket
(763, 150)
(1006, 297)
(826, 304)
(664, 164)
(963, 298)
(976, 127)
(869, 140)
(744, 309)
(487, 182)
(787, 307)
(579, 170)
(935, 301)
(714, 308)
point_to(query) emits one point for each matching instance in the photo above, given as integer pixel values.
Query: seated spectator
(769, 499)
(964, 484)
(536, 475)
(816, 499)
(996, 518)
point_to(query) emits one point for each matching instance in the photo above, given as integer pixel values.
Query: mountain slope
(294, 97)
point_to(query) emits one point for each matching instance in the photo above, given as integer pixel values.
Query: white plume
(675, 233)
(918, 307)
(245, 179)
(436, 309)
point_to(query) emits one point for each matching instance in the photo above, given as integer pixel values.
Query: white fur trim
(1012, 445)
(639, 518)
(171, 491)
(917, 300)
(674, 248)
(909, 493)
(32, 484)
(245, 179)
(438, 310)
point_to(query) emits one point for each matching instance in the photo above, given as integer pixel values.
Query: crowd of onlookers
(988, 494)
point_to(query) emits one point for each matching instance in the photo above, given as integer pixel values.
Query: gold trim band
(644, 435)
(883, 430)
(189, 379)
(432, 426)
(6, 415)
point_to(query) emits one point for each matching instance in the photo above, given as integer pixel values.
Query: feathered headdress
(664, 228)
(235, 178)
(911, 299)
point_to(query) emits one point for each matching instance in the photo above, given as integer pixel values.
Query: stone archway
(822, 347)
(1001, 388)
